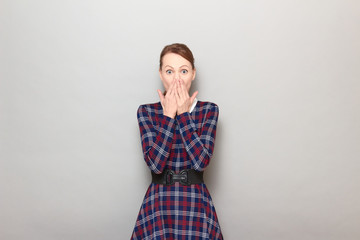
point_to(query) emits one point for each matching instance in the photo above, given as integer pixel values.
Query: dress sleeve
(156, 138)
(199, 144)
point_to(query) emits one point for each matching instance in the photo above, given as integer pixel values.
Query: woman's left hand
(184, 101)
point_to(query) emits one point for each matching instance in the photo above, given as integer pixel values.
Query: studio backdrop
(286, 78)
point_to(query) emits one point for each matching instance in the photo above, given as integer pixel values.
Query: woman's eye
(168, 71)
(184, 71)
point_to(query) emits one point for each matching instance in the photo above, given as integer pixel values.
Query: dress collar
(193, 105)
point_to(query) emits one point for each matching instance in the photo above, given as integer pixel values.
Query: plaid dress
(177, 212)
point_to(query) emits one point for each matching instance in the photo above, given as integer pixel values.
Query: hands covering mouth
(176, 100)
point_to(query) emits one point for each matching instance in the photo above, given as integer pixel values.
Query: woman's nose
(177, 76)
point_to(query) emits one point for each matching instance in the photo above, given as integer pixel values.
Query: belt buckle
(169, 180)
(183, 177)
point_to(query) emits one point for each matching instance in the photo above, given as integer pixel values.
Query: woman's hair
(180, 49)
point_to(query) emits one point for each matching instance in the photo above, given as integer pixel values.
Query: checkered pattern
(177, 212)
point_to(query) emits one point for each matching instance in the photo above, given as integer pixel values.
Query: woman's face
(175, 67)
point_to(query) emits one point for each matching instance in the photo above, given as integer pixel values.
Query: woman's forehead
(175, 60)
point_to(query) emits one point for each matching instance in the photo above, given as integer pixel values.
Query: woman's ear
(194, 74)
(160, 74)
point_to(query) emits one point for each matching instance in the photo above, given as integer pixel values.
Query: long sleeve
(199, 143)
(156, 137)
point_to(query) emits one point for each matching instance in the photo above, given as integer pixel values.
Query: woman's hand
(168, 102)
(184, 101)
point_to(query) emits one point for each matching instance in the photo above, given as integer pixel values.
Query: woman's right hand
(168, 102)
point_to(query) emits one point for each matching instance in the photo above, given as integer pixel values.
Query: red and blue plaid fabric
(177, 212)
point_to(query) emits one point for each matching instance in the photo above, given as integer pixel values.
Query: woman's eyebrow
(179, 67)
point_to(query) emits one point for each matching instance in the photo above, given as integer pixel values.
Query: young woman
(178, 137)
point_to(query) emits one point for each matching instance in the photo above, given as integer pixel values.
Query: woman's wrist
(183, 110)
(169, 115)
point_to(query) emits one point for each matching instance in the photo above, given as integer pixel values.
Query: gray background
(285, 75)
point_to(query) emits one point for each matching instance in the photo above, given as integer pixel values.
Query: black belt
(184, 177)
